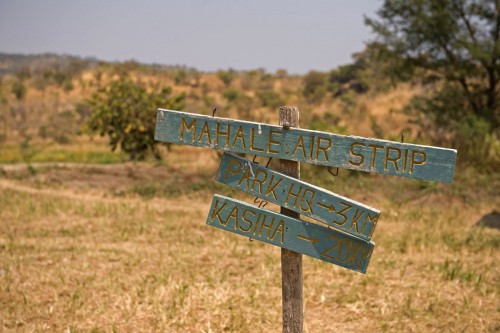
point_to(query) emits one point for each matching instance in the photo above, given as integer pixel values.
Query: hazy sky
(243, 34)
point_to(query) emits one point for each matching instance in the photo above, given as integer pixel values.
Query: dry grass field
(124, 247)
(92, 243)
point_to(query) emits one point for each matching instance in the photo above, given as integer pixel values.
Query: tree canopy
(126, 113)
(452, 44)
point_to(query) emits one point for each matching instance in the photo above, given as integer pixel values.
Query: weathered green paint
(351, 152)
(337, 211)
(310, 239)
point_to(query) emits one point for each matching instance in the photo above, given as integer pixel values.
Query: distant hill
(45, 95)
(14, 63)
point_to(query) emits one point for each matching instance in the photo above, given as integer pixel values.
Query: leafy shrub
(477, 146)
(126, 113)
(347, 78)
(315, 86)
(232, 94)
(18, 89)
(227, 76)
(270, 98)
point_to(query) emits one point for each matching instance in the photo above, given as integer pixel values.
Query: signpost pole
(291, 262)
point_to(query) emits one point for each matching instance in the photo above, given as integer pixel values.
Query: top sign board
(350, 152)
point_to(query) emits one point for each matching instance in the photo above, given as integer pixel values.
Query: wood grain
(291, 260)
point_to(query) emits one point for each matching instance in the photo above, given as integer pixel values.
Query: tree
(126, 113)
(315, 86)
(227, 76)
(452, 44)
(346, 78)
(18, 89)
(269, 98)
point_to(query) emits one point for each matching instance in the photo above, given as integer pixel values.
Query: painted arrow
(330, 208)
(311, 240)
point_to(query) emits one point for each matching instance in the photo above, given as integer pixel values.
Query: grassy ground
(124, 248)
(81, 150)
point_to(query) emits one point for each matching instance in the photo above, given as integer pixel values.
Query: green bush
(315, 86)
(232, 94)
(227, 76)
(477, 146)
(18, 89)
(270, 98)
(126, 113)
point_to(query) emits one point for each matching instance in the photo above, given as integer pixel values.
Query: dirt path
(178, 204)
(64, 193)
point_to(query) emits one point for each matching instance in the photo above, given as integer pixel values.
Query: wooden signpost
(350, 152)
(291, 262)
(348, 243)
(289, 233)
(335, 210)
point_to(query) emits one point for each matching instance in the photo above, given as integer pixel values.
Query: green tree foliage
(227, 76)
(18, 89)
(61, 74)
(452, 44)
(126, 113)
(270, 98)
(315, 86)
(232, 94)
(347, 77)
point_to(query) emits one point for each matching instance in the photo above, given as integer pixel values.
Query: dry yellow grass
(204, 91)
(93, 256)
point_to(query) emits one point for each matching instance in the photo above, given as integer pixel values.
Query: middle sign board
(335, 210)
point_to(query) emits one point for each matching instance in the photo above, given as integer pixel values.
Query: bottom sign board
(293, 234)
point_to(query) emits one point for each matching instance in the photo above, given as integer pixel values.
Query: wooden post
(291, 262)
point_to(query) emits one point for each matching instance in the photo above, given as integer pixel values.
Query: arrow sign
(351, 152)
(307, 238)
(337, 211)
